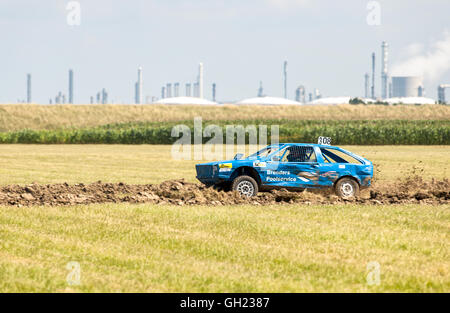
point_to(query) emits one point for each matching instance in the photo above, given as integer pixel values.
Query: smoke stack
(384, 70)
(366, 85)
(136, 93)
(196, 91)
(188, 89)
(214, 91)
(285, 78)
(260, 90)
(70, 86)
(139, 97)
(373, 76)
(420, 91)
(28, 88)
(169, 90)
(176, 89)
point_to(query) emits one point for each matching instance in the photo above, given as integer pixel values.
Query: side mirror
(238, 156)
(276, 158)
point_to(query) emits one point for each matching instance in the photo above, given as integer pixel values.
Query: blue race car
(290, 165)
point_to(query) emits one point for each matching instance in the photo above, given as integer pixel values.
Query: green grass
(151, 248)
(24, 164)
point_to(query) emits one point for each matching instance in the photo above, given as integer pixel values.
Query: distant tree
(356, 101)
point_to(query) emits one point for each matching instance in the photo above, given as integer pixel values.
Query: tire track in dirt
(180, 192)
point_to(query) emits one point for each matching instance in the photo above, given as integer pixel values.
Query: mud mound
(180, 192)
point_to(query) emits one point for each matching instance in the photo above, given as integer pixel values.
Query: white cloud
(431, 64)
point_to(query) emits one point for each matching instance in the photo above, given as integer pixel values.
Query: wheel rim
(245, 188)
(347, 190)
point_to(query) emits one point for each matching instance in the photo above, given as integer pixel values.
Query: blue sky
(327, 45)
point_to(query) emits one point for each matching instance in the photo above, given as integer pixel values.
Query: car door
(297, 167)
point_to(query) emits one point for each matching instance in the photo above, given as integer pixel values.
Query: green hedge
(342, 132)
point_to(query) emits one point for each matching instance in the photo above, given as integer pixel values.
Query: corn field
(389, 132)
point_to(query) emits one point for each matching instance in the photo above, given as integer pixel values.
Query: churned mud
(179, 192)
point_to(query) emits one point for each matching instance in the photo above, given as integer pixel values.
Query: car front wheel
(347, 188)
(245, 185)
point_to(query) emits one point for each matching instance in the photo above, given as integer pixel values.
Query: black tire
(347, 188)
(245, 185)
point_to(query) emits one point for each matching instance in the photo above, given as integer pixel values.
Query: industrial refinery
(393, 89)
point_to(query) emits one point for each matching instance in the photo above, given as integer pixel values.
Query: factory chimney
(176, 89)
(384, 70)
(260, 90)
(372, 89)
(136, 93)
(139, 90)
(104, 96)
(366, 85)
(285, 78)
(200, 80)
(196, 90)
(214, 92)
(169, 90)
(70, 86)
(188, 89)
(28, 88)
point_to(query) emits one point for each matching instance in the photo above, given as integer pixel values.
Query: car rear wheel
(245, 185)
(347, 188)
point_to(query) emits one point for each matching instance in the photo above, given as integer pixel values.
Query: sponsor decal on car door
(297, 167)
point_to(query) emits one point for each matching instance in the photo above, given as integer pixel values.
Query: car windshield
(264, 152)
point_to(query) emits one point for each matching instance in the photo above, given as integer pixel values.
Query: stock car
(292, 166)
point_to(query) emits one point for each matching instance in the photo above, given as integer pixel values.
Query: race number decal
(324, 140)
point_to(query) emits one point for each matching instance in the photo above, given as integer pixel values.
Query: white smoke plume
(430, 65)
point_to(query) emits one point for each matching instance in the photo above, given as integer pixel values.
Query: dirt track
(179, 192)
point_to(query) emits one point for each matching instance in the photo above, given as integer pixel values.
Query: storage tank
(406, 86)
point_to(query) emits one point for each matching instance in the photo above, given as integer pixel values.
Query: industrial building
(300, 94)
(441, 93)
(267, 101)
(410, 100)
(407, 86)
(192, 90)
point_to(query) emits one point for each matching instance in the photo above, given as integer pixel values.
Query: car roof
(307, 144)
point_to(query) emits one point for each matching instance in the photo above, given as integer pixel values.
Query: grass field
(24, 164)
(147, 248)
(25, 116)
(151, 248)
